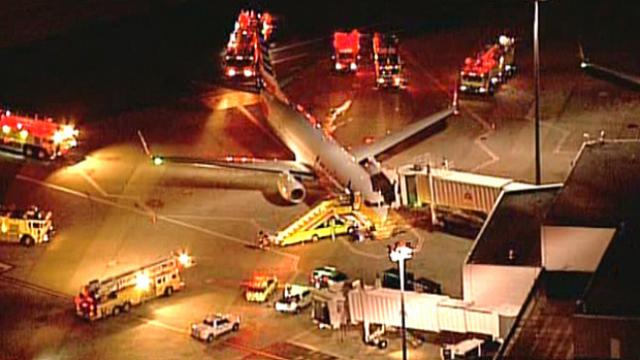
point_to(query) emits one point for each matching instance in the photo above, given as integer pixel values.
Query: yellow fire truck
(27, 227)
(112, 296)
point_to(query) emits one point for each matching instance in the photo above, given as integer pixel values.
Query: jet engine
(291, 189)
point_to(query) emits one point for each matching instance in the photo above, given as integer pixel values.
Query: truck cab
(213, 326)
(346, 51)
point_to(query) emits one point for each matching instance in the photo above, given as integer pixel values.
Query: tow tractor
(117, 294)
(41, 138)
(27, 227)
(346, 51)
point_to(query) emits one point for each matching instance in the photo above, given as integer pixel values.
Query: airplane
(315, 152)
(587, 65)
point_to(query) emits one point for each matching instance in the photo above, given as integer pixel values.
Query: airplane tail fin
(267, 72)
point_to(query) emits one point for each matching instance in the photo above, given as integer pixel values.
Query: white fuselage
(311, 146)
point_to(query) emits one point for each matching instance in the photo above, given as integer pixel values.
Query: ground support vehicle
(27, 227)
(346, 51)
(386, 61)
(35, 137)
(294, 299)
(327, 277)
(117, 294)
(214, 326)
(328, 219)
(260, 288)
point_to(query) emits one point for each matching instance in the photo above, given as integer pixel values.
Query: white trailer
(425, 312)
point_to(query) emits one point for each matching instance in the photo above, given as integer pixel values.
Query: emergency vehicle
(386, 60)
(117, 294)
(330, 218)
(33, 137)
(484, 74)
(214, 326)
(241, 55)
(27, 227)
(260, 288)
(346, 51)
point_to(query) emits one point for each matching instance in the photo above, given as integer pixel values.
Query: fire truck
(386, 60)
(27, 227)
(481, 75)
(346, 51)
(484, 74)
(33, 137)
(117, 294)
(241, 54)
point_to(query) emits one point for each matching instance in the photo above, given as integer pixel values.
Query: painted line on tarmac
(160, 324)
(294, 45)
(35, 287)
(257, 122)
(360, 252)
(143, 212)
(93, 182)
(254, 351)
(494, 158)
(313, 348)
(289, 58)
(5, 267)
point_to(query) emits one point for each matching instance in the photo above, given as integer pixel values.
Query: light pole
(399, 253)
(536, 75)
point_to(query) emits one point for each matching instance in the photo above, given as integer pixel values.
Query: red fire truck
(346, 51)
(241, 54)
(495, 65)
(34, 137)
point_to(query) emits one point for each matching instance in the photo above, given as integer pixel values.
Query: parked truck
(26, 226)
(118, 294)
(346, 51)
(386, 60)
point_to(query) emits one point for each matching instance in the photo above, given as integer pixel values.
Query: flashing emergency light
(142, 281)
(185, 260)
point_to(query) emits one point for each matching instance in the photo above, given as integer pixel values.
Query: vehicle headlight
(231, 72)
(338, 66)
(463, 87)
(248, 72)
(482, 89)
(353, 66)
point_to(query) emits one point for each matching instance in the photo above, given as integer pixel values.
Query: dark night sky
(104, 66)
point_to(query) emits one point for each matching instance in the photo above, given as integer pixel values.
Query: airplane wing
(587, 65)
(276, 166)
(394, 139)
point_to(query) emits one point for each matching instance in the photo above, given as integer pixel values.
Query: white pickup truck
(215, 325)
